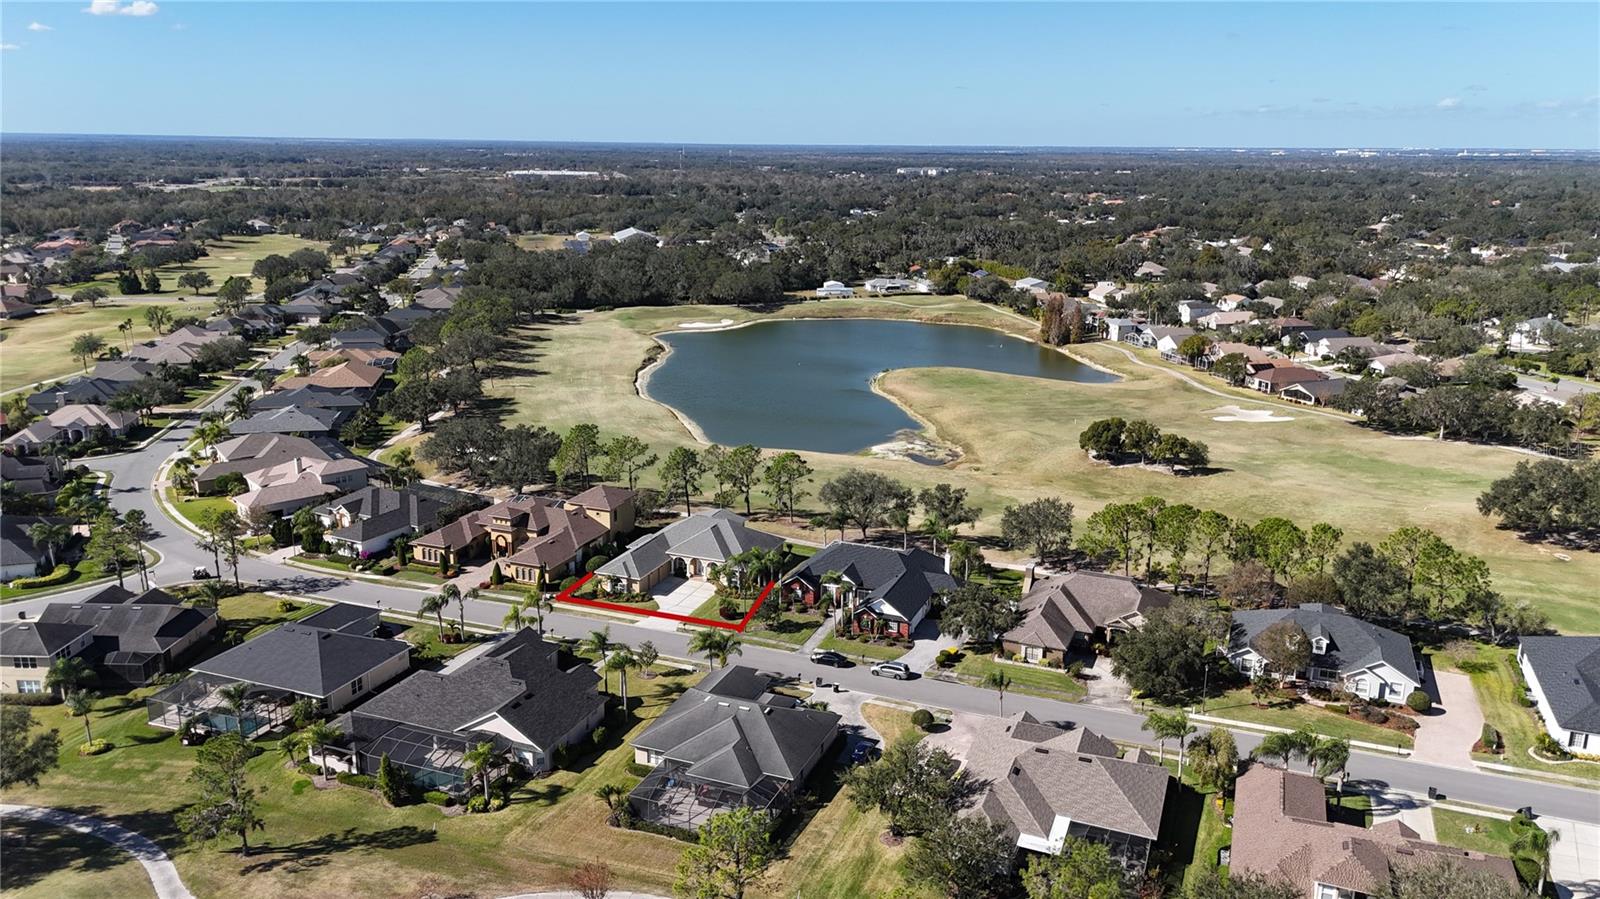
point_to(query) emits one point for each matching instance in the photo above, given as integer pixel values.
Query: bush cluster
(59, 575)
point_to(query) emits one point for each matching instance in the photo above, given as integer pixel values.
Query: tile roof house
(1315, 393)
(345, 375)
(1273, 379)
(1073, 611)
(289, 486)
(728, 742)
(880, 588)
(524, 694)
(538, 538)
(334, 668)
(1563, 675)
(368, 520)
(1281, 832)
(685, 548)
(343, 402)
(1043, 784)
(71, 424)
(1152, 270)
(1346, 653)
(136, 636)
(253, 452)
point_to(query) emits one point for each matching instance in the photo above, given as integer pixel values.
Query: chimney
(1027, 577)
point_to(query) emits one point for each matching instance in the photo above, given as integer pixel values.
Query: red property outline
(566, 596)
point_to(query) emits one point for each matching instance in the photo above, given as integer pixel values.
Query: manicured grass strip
(1476, 832)
(862, 651)
(1238, 705)
(1032, 680)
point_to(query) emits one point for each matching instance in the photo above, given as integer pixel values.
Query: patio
(668, 797)
(199, 697)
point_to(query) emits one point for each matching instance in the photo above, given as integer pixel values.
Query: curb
(1273, 729)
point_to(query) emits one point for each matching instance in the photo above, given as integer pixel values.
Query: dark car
(863, 753)
(829, 657)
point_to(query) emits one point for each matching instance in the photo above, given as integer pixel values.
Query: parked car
(863, 753)
(896, 670)
(829, 657)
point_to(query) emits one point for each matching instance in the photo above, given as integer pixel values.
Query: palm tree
(318, 735)
(434, 604)
(126, 328)
(50, 536)
(301, 363)
(481, 762)
(81, 703)
(514, 620)
(620, 660)
(1534, 842)
(239, 402)
(461, 605)
(236, 700)
(646, 656)
(68, 675)
(598, 642)
(615, 796)
(997, 680)
(538, 604)
(1330, 756)
(716, 644)
(1286, 747)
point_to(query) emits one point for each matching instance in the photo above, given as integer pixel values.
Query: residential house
(1331, 347)
(879, 589)
(1167, 340)
(1281, 832)
(333, 667)
(90, 391)
(1036, 286)
(526, 696)
(302, 421)
(368, 520)
(30, 475)
(1563, 676)
(19, 555)
(627, 234)
(180, 347)
(255, 452)
(725, 743)
(1288, 326)
(1219, 320)
(1150, 270)
(1043, 784)
(1273, 379)
(287, 487)
(1125, 330)
(686, 548)
(835, 290)
(12, 308)
(1347, 653)
(1073, 612)
(538, 539)
(1535, 334)
(71, 424)
(29, 648)
(1251, 354)
(1192, 311)
(437, 299)
(1386, 363)
(1315, 393)
(310, 309)
(1105, 291)
(343, 376)
(136, 637)
(342, 403)
(385, 359)
(883, 286)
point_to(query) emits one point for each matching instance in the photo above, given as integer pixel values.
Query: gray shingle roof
(904, 580)
(377, 511)
(734, 740)
(288, 420)
(521, 679)
(1036, 772)
(38, 638)
(306, 660)
(1352, 643)
(1568, 670)
(149, 623)
(713, 535)
(1057, 608)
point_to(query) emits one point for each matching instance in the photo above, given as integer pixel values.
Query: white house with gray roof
(1563, 675)
(1346, 653)
(687, 548)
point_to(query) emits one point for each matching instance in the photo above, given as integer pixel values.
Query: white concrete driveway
(1575, 857)
(680, 596)
(1445, 735)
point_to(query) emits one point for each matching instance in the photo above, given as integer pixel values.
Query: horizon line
(1033, 148)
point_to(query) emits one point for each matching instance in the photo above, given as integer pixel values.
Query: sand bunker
(703, 325)
(1234, 413)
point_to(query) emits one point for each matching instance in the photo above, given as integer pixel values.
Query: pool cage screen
(199, 697)
(433, 760)
(670, 798)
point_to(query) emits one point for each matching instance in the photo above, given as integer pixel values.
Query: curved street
(132, 487)
(163, 874)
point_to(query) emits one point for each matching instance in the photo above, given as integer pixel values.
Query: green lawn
(1033, 680)
(12, 594)
(1238, 705)
(583, 370)
(1193, 832)
(861, 650)
(1491, 835)
(1498, 683)
(792, 628)
(47, 862)
(232, 255)
(38, 348)
(198, 509)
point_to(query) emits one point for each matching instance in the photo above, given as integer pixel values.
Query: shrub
(1546, 745)
(363, 781)
(1338, 708)
(95, 747)
(308, 769)
(1375, 714)
(922, 718)
(567, 583)
(599, 735)
(299, 786)
(1419, 702)
(1402, 722)
(58, 575)
(1075, 670)
(288, 605)
(595, 562)
(437, 797)
(30, 699)
(477, 804)
(1381, 703)
(638, 770)
(1489, 738)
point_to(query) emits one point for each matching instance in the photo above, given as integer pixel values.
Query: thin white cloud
(10, 46)
(1449, 103)
(118, 8)
(39, 26)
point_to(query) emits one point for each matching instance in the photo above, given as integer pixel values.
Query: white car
(896, 670)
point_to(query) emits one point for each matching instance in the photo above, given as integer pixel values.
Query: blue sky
(1066, 74)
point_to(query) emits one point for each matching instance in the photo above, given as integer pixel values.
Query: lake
(806, 384)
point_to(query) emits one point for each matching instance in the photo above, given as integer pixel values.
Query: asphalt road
(133, 473)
